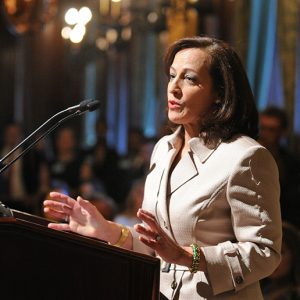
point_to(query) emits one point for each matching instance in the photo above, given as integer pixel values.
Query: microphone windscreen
(93, 105)
(83, 105)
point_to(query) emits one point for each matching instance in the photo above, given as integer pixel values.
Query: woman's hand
(80, 216)
(154, 237)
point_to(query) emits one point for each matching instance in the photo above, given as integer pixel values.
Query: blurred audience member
(101, 129)
(284, 283)
(24, 183)
(68, 160)
(135, 164)
(89, 188)
(105, 204)
(273, 129)
(102, 168)
(140, 163)
(134, 201)
(135, 141)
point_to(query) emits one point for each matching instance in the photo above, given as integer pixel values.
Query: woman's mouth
(173, 104)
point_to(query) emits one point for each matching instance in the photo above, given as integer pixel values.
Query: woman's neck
(189, 133)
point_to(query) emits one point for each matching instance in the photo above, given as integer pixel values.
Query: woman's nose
(174, 87)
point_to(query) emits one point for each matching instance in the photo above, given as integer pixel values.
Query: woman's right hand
(79, 216)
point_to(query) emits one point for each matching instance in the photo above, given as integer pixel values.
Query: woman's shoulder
(244, 148)
(242, 141)
(241, 144)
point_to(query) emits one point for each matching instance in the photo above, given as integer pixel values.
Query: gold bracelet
(196, 259)
(123, 237)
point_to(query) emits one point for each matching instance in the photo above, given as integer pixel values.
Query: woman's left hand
(154, 237)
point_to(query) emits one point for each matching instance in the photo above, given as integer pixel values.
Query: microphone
(85, 105)
(82, 107)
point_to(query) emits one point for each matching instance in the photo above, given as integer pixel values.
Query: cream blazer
(225, 199)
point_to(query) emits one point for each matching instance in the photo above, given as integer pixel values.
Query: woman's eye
(171, 76)
(190, 78)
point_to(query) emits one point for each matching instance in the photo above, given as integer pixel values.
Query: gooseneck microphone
(83, 106)
(64, 115)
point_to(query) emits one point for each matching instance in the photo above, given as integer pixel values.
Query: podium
(40, 263)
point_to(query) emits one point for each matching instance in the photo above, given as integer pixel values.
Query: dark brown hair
(235, 111)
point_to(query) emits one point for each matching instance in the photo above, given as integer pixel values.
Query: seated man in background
(273, 129)
(24, 184)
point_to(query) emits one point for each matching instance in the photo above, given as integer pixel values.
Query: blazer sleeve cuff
(223, 267)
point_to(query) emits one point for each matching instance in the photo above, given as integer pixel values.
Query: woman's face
(190, 88)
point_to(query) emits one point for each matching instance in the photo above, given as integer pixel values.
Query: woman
(211, 202)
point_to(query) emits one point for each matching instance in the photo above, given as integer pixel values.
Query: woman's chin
(175, 118)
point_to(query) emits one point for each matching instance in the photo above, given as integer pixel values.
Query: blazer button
(174, 285)
(239, 279)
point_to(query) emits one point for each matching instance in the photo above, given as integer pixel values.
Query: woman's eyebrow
(184, 69)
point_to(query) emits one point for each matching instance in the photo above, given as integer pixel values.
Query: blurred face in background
(270, 131)
(65, 140)
(12, 135)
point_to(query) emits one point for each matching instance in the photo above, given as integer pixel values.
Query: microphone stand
(4, 210)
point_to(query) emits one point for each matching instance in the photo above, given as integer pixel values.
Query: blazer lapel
(183, 172)
(162, 202)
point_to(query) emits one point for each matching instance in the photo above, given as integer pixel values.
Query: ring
(158, 238)
(67, 219)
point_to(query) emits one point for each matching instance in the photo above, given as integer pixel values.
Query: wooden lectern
(40, 263)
